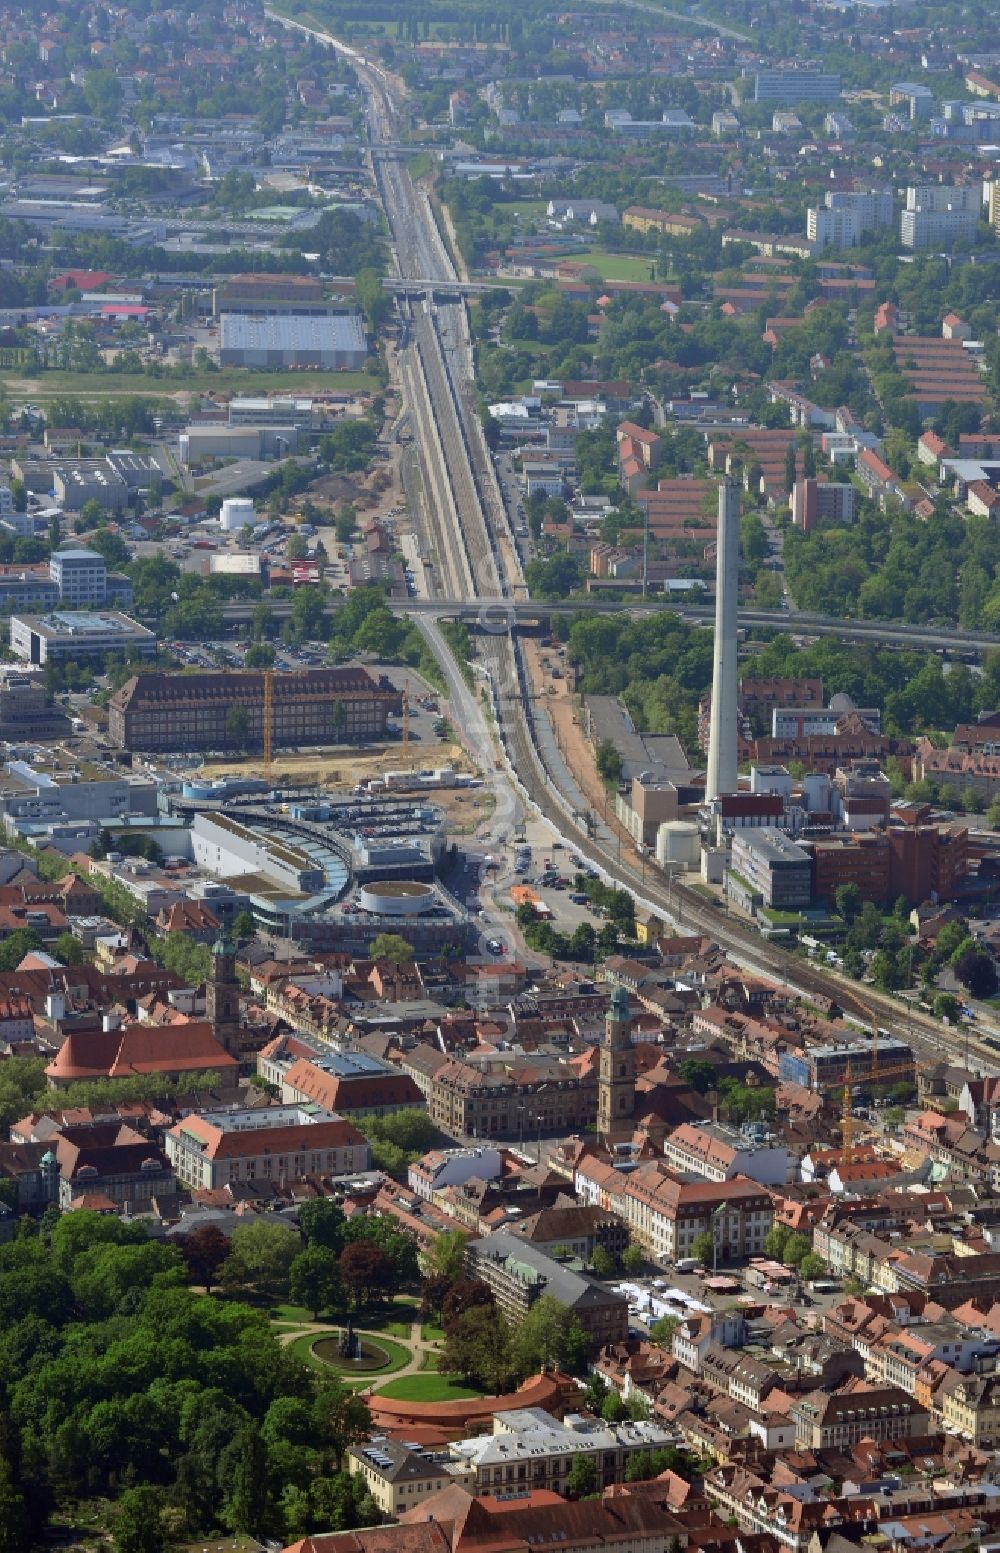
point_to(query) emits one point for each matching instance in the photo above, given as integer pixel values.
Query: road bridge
(496, 615)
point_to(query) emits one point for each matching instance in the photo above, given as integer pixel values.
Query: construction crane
(876, 1075)
(268, 729)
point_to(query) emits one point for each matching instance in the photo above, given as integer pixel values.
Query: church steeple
(616, 1088)
(222, 997)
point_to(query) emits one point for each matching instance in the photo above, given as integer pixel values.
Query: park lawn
(397, 1357)
(395, 1319)
(534, 210)
(615, 266)
(294, 1313)
(430, 1332)
(430, 1360)
(112, 385)
(427, 1387)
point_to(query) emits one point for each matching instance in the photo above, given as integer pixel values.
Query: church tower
(616, 1088)
(222, 998)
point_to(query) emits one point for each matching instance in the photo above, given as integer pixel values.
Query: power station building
(171, 713)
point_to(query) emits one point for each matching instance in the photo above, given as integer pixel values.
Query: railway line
(474, 546)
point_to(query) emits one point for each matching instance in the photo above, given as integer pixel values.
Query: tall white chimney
(721, 776)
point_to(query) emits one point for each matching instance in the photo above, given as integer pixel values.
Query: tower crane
(268, 726)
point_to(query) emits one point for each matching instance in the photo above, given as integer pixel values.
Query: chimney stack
(721, 776)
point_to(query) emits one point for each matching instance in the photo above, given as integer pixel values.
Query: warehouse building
(225, 711)
(330, 342)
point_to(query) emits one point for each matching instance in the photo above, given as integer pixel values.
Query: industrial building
(169, 713)
(268, 294)
(330, 342)
(67, 633)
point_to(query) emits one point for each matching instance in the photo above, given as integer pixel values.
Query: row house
(951, 1141)
(739, 1495)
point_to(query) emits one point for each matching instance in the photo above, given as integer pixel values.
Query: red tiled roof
(186, 1047)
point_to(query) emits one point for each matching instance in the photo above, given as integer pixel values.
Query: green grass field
(615, 266)
(430, 1332)
(112, 385)
(427, 1387)
(296, 1314)
(430, 1360)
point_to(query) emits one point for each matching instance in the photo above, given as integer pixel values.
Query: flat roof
(256, 1120)
(315, 332)
(78, 622)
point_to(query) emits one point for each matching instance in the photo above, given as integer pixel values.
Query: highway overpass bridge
(496, 615)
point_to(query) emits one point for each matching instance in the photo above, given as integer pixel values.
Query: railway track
(476, 543)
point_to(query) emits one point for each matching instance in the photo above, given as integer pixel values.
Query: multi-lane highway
(476, 562)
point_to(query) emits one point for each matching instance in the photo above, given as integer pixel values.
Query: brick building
(225, 711)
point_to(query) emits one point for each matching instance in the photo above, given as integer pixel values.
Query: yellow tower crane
(268, 731)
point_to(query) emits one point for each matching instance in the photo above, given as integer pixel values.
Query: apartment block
(931, 228)
(793, 86)
(815, 501)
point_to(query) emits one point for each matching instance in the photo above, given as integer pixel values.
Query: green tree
(477, 1346)
(445, 1255)
(698, 1072)
(340, 1417)
(244, 926)
(345, 522)
(581, 1482)
(775, 1241)
(602, 1262)
(138, 1523)
(68, 950)
(322, 1221)
(847, 898)
(662, 1331)
(609, 761)
(812, 1266)
(796, 1247)
(703, 1247)
(23, 941)
(15, 1528)
(391, 946)
(314, 1280)
(261, 1257)
(633, 1259)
